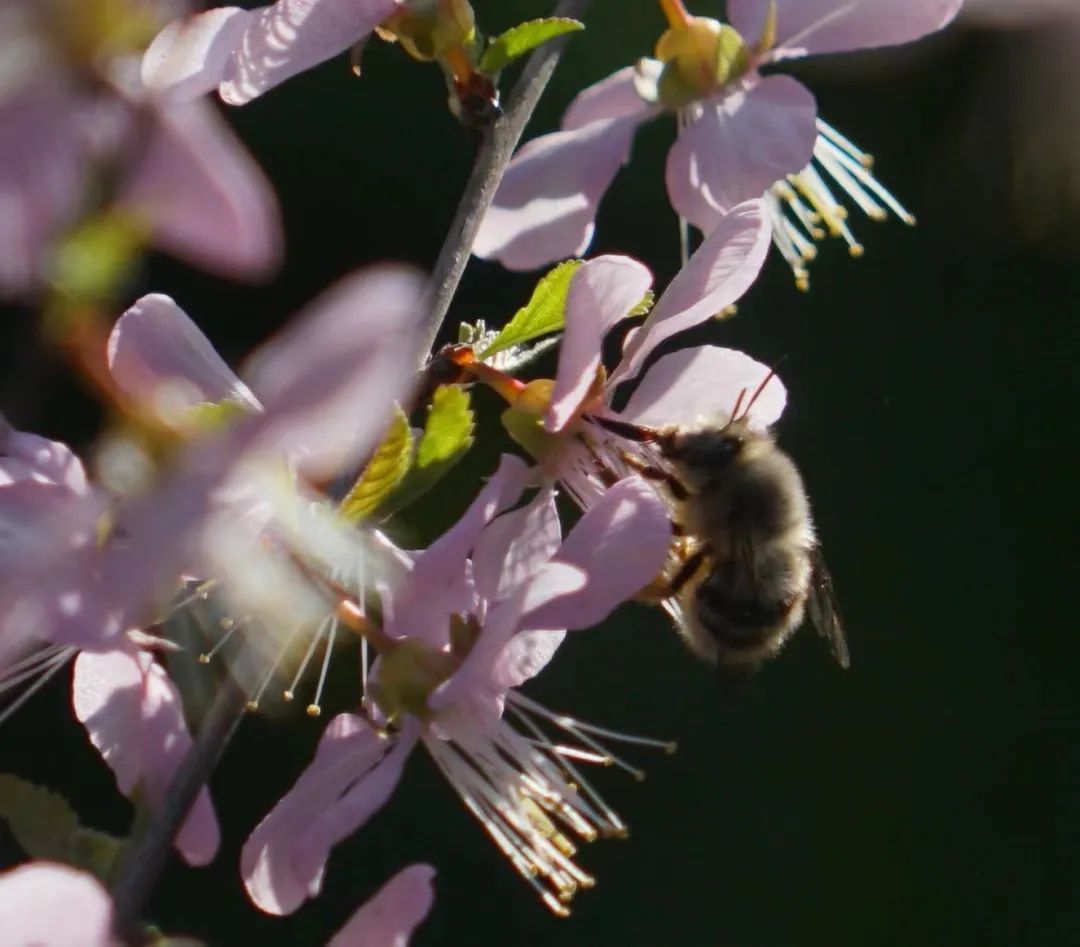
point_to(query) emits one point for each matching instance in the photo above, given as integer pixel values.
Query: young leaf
(544, 313)
(383, 473)
(46, 827)
(523, 38)
(448, 435)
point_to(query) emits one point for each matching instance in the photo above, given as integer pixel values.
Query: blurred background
(927, 796)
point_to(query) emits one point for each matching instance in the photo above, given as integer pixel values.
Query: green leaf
(543, 314)
(523, 38)
(447, 437)
(643, 307)
(383, 473)
(45, 826)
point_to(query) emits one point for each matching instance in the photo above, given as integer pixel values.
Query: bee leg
(687, 571)
(658, 475)
(632, 432)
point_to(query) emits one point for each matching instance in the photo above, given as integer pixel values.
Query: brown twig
(499, 142)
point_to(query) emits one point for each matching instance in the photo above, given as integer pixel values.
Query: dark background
(927, 796)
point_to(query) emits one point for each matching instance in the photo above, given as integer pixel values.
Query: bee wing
(824, 612)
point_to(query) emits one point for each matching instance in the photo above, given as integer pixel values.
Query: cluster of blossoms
(214, 500)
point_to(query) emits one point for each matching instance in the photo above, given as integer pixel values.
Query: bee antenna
(735, 410)
(757, 391)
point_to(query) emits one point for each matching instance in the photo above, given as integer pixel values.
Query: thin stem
(675, 12)
(498, 145)
(145, 858)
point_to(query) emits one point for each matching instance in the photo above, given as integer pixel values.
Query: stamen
(230, 626)
(290, 693)
(48, 662)
(253, 703)
(314, 709)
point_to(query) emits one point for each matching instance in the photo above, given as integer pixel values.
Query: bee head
(705, 453)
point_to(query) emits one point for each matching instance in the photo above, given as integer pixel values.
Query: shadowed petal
(438, 583)
(47, 905)
(40, 159)
(524, 656)
(719, 272)
(613, 97)
(26, 456)
(189, 57)
(737, 145)
(704, 383)
(602, 292)
(290, 36)
(328, 380)
(348, 752)
(132, 712)
(156, 346)
(545, 207)
(203, 196)
(392, 914)
(805, 27)
(621, 544)
(515, 545)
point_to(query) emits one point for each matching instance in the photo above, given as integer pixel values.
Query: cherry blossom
(47, 905)
(74, 114)
(461, 633)
(741, 134)
(393, 912)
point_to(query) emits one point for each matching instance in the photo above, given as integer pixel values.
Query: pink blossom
(182, 176)
(133, 715)
(325, 387)
(243, 53)
(48, 905)
(510, 587)
(740, 134)
(393, 912)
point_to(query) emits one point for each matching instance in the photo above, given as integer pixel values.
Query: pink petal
(621, 544)
(515, 545)
(203, 196)
(613, 97)
(719, 272)
(26, 456)
(602, 292)
(133, 715)
(47, 905)
(188, 58)
(806, 27)
(524, 656)
(40, 179)
(328, 380)
(348, 752)
(290, 36)
(438, 582)
(704, 383)
(352, 808)
(392, 914)
(545, 207)
(156, 350)
(550, 583)
(737, 145)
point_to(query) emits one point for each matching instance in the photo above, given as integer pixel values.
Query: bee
(746, 566)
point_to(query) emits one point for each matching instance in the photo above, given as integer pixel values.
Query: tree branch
(499, 143)
(146, 857)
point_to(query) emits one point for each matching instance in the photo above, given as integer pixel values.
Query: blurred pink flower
(739, 135)
(325, 388)
(48, 905)
(465, 631)
(134, 717)
(393, 912)
(75, 117)
(243, 53)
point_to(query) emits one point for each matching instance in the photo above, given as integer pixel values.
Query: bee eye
(707, 450)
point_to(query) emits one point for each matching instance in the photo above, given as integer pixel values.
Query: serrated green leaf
(383, 472)
(46, 827)
(523, 38)
(544, 313)
(447, 437)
